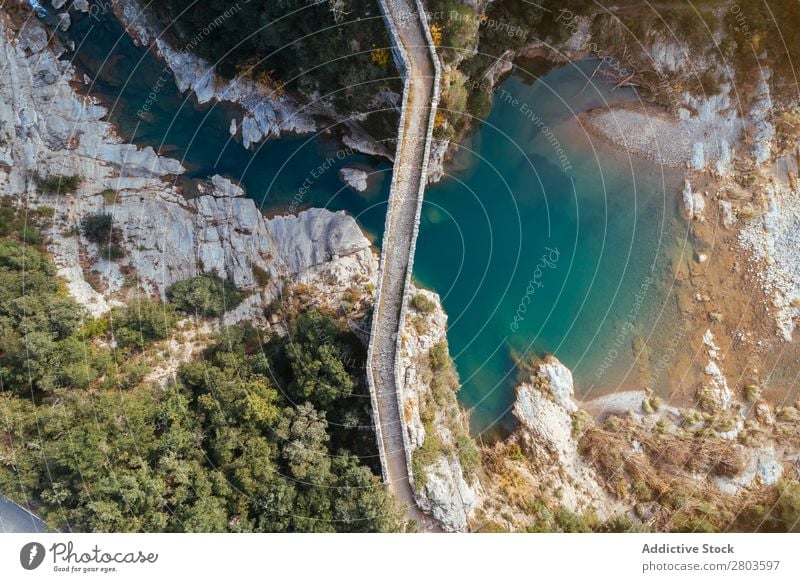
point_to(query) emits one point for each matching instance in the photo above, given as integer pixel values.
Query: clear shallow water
(542, 241)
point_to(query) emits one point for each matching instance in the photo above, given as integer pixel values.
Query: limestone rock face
(694, 205)
(760, 115)
(447, 495)
(48, 129)
(543, 410)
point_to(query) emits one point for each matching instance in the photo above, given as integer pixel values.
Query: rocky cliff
(438, 429)
(48, 130)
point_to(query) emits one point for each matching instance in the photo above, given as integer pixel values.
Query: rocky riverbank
(51, 131)
(268, 111)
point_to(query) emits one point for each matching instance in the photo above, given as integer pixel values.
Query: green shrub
(469, 456)
(59, 184)
(112, 252)
(97, 227)
(142, 322)
(109, 196)
(262, 276)
(205, 296)
(440, 356)
(480, 104)
(23, 222)
(422, 303)
(425, 456)
(31, 235)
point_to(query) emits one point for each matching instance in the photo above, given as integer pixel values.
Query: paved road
(14, 519)
(399, 240)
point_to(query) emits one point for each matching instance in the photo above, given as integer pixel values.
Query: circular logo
(31, 555)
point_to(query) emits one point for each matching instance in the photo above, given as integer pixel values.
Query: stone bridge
(416, 57)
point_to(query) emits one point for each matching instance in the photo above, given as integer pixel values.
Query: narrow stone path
(408, 183)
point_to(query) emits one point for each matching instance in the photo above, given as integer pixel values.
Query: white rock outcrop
(355, 178)
(543, 409)
(447, 495)
(694, 204)
(774, 240)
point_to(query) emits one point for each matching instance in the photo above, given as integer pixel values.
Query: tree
(317, 350)
(142, 322)
(97, 228)
(204, 296)
(303, 432)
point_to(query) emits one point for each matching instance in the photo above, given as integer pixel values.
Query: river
(540, 240)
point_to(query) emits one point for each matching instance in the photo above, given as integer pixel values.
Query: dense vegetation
(259, 434)
(335, 46)
(473, 43)
(204, 296)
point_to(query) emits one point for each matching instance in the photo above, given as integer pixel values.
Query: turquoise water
(546, 243)
(542, 240)
(293, 173)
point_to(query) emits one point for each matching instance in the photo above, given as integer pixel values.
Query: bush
(440, 357)
(21, 221)
(97, 227)
(469, 456)
(262, 276)
(59, 184)
(142, 322)
(109, 196)
(205, 296)
(112, 252)
(425, 456)
(422, 303)
(480, 104)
